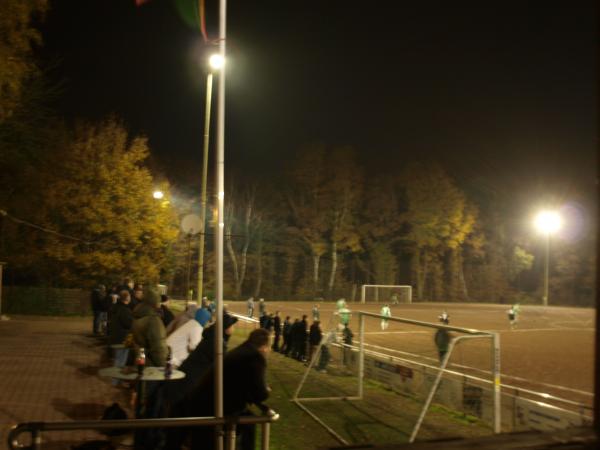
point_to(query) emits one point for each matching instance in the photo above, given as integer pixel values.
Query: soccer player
(385, 311)
(444, 317)
(316, 314)
(512, 315)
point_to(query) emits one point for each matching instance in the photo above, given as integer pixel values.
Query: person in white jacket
(183, 340)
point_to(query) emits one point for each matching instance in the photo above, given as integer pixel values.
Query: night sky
(503, 93)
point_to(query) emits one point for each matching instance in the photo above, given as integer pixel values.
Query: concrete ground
(48, 372)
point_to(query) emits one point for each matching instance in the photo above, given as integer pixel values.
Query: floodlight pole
(546, 268)
(220, 189)
(189, 268)
(209, 79)
(1, 267)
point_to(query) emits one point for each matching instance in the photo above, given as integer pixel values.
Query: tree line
(78, 209)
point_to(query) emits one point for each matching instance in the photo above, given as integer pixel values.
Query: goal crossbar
(363, 290)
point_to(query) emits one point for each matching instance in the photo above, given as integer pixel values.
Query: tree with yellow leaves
(98, 190)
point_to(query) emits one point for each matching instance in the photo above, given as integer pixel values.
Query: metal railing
(35, 429)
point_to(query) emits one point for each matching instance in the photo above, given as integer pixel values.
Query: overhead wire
(5, 213)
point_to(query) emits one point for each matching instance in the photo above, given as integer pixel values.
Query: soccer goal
(386, 293)
(392, 377)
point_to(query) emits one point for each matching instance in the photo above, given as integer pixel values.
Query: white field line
(525, 330)
(487, 372)
(397, 332)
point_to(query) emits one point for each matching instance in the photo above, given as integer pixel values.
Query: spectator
(127, 286)
(149, 331)
(198, 362)
(136, 299)
(183, 341)
(121, 319)
(239, 392)
(99, 309)
(298, 336)
(114, 295)
(314, 339)
(203, 315)
(442, 341)
(212, 307)
(325, 355)
(287, 325)
(277, 329)
(165, 313)
(184, 317)
(347, 336)
(250, 306)
(268, 323)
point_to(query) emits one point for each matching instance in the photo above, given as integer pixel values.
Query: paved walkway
(48, 372)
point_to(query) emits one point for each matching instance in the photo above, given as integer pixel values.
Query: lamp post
(547, 222)
(216, 63)
(220, 225)
(158, 195)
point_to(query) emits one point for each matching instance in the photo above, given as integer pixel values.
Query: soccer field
(551, 350)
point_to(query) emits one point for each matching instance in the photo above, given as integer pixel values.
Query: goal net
(397, 379)
(381, 293)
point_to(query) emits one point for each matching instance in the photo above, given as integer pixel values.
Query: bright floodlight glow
(216, 61)
(158, 195)
(548, 222)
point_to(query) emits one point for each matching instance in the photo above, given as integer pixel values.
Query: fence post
(36, 439)
(497, 394)
(361, 354)
(266, 431)
(230, 437)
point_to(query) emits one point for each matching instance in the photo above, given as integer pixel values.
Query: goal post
(406, 367)
(467, 333)
(386, 293)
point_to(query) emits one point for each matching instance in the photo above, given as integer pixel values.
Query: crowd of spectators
(299, 340)
(133, 318)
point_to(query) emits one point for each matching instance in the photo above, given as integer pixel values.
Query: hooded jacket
(197, 363)
(149, 332)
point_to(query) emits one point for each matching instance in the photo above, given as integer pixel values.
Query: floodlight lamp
(548, 222)
(158, 195)
(216, 61)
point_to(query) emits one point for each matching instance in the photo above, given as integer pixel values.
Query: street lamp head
(216, 61)
(158, 195)
(548, 222)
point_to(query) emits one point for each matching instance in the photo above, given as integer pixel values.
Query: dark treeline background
(319, 221)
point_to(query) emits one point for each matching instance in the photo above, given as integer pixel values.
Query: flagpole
(220, 189)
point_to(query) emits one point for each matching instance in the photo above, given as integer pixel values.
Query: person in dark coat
(244, 383)
(296, 339)
(277, 330)
(442, 341)
(314, 339)
(302, 338)
(269, 323)
(165, 313)
(99, 308)
(197, 363)
(137, 297)
(347, 336)
(121, 320)
(287, 325)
